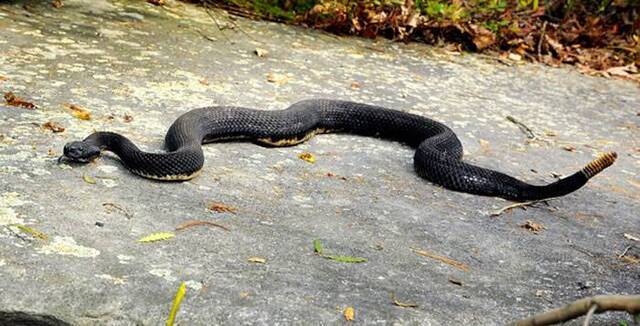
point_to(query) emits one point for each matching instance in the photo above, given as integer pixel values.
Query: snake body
(438, 155)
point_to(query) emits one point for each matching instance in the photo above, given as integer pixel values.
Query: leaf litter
(317, 248)
(443, 259)
(221, 208)
(158, 236)
(190, 224)
(13, 100)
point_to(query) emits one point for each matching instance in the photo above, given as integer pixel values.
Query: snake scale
(438, 155)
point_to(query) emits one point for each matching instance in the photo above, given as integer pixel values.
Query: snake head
(80, 152)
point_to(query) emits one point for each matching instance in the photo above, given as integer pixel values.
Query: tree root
(602, 303)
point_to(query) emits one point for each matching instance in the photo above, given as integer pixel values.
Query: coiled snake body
(438, 156)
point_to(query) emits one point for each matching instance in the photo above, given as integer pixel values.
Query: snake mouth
(63, 159)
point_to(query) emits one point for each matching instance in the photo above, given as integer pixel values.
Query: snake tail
(599, 164)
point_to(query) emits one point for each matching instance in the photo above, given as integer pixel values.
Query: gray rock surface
(360, 198)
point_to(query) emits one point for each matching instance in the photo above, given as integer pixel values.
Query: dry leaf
(443, 259)
(182, 291)
(307, 157)
(53, 126)
(33, 232)
(349, 313)
(532, 226)
(482, 38)
(57, 4)
(261, 52)
(278, 79)
(569, 148)
(13, 100)
(624, 71)
(355, 85)
(345, 259)
(78, 111)
(222, 208)
(189, 224)
(88, 179)
(631, 259)
(127, 118)
(258, 260)
(514, 57)
(159, 236)
(3, 78)
(402, 304)
(204, 82)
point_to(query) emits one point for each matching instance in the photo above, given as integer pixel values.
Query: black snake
(438, 156)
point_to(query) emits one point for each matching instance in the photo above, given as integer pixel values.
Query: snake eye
(78, 151)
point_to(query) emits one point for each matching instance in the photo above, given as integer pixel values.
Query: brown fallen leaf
(13, 100)
(257, 260)
(402, 304)
(631, 259)
(78, 111)
(189, 224)
(349, 313)
(443, 259)
(3, 78)
(204, 81)
(57, 4)
(355, 85)
(532, 226)
(53, 126)
(628, 71)
(221, 208)
(127, 118)
(482, 38)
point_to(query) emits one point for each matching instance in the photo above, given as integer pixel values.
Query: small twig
(443, 259)
(110, 206)
(522, 205)
(544, 29)
(189, 224)
(207, 8)
(207, 37)
(587, 318)
(628, 303)
(524, 128)
(16, 234)
(624, 252)
(220, 28)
